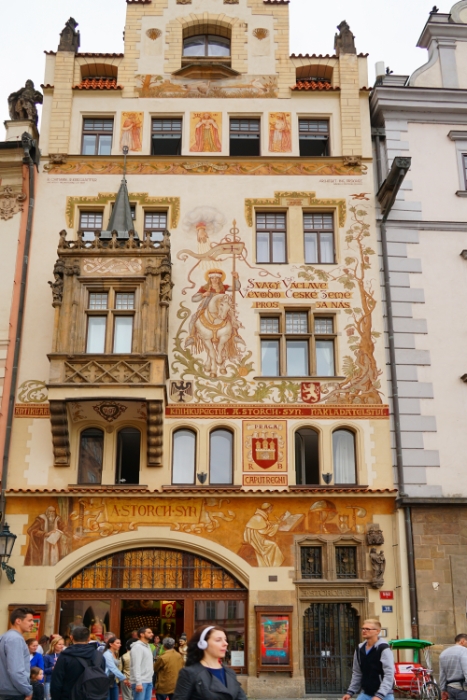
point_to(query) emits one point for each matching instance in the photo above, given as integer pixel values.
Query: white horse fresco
(215, 332)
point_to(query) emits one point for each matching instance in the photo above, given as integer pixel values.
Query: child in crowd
(37, 676)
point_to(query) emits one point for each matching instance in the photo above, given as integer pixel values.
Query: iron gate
(330, 636)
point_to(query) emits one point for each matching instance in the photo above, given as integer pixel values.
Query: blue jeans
(145, 694)
(364, 696)
(113, 692)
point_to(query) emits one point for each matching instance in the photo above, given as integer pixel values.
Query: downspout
(29, 146)
(386, 195)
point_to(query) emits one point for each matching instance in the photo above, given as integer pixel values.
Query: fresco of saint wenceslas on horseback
(213, 327)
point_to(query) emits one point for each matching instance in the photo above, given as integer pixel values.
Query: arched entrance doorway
(330, 636)
(168, 590)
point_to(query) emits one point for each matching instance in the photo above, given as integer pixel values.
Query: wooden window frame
(319, 232)
(270, 231)
(152, 231)
(315, 133)
(97, 132)
(282, 336)
(173, 133)
(206, 54)
(111, 313)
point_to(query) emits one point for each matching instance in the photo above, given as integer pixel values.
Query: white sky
(386, 29)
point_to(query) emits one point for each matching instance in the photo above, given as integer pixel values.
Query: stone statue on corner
(378, 564)
(22, 104)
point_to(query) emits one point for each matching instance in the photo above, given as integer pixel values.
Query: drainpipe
(31, 160)
(386, 196)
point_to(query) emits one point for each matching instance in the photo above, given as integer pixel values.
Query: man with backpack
(373, 666)
(79, 673)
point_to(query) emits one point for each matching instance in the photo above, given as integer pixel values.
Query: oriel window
(155, 223)
(90, 223)
(110, 321)
(97, 137)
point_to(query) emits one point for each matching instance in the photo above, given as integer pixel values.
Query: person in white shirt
(142, 665)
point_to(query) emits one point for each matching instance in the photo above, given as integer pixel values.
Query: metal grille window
(166, 138)
(270, 238)
(155, 223)
(313, 137)
(346, 562)
(318, 238)
(97, 137)
(244, 137)
(311, 562)
(153, 569)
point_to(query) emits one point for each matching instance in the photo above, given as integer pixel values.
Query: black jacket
(68, 669)
(197, 683)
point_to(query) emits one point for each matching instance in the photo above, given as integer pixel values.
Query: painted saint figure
(280, 138)
(257, 530)
(131, 131)
(206, 135)
(48, 540)
(214, 326)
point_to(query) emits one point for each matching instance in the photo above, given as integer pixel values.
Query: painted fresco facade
(202, 413)
(427, 241)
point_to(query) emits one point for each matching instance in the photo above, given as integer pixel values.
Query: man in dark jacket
(68, 668)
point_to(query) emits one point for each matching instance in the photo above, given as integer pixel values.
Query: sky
(386, 29)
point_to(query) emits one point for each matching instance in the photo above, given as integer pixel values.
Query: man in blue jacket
(373, 666)
(14, 657)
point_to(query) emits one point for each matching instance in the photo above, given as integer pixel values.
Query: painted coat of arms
(264, 445)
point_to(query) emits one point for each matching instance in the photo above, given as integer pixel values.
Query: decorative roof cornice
(419, 104)
(313, 85)
(98, 84)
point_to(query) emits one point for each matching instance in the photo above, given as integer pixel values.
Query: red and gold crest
(311, 392)
(265, 451)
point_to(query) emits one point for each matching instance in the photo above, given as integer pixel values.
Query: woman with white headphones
(205, 677)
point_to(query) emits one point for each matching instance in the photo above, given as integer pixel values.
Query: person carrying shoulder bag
(205, 677)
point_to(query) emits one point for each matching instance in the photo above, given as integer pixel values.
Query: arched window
(128, 456)
(91, 453)
(307, 456)
(343, 452)
(220, 457)
(184, 457)
(206, 45)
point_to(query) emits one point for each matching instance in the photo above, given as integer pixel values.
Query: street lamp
(7, 541)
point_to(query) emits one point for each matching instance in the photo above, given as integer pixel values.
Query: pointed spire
(121, 219)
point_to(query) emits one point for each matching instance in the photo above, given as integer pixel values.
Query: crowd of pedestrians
(85, 668)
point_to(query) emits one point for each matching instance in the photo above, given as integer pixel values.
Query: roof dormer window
(206, 45)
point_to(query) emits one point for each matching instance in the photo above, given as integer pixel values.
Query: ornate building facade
(426, 238)
(201, 428)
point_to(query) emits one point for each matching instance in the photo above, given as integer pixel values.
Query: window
(319, 238)
(90, 223)
(346, 562)
(91, 452)
(220, 457)
(184, 457)
(97, 137)
(313, 137)
(288, 347)
(110, 318)
(270, 238)
(128, 456)
(324, 346)
(166, 137)
(244, 137)
(206, 45)
(229, 614)
(343, 453)
(155, 223)
(311, 562)
(307, 457)
(464, 162)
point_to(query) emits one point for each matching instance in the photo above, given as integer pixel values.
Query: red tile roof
(138, 2)
(101, 55)
(47, 87)
(312, 55)
(313, 85)
(198, 490)
(274, 2)
(98, 84)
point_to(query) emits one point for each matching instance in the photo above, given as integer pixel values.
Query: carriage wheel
(431, 691)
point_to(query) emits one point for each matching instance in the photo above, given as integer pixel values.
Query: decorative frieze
(107, 372)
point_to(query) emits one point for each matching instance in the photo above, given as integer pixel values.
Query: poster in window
(275, 640)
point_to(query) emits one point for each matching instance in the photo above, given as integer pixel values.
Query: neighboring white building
(424, 117)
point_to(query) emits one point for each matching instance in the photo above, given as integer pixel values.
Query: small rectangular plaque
(387, 608)
(386, 595)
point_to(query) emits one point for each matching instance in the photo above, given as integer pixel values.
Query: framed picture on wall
(274, 638)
